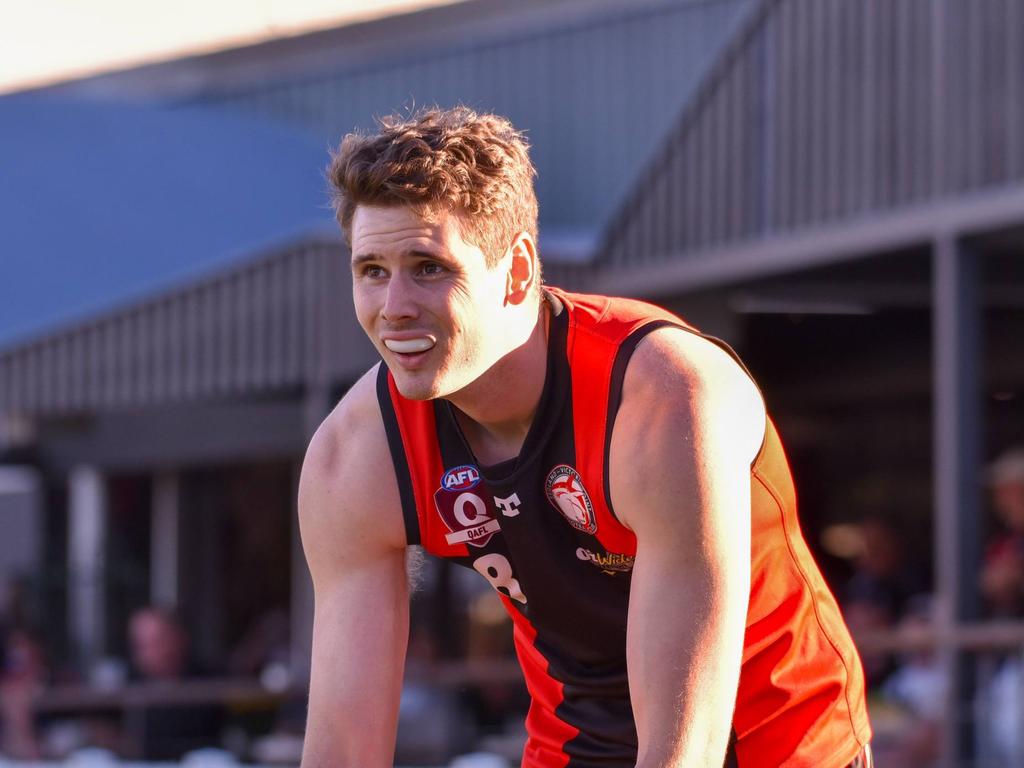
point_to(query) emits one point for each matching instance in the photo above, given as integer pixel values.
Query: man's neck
(495, 411)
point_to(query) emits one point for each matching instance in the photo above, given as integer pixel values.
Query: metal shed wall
(821, 111)
(274, 324)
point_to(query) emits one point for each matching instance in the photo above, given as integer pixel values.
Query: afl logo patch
(461, 478)
(565, 491)
(464, 512)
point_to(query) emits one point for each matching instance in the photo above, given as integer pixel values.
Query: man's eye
(373, 271)
(431, 268)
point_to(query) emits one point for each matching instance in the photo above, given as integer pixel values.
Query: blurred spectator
(999, 702)
(21, 675)
(918, 688)
(1002, 573)
(159, 645)
(877, 592)
(882, 578)
(160, 653)
(999, 709)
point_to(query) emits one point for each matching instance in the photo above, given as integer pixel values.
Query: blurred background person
(1002, 573)
(876, 594)
(160, 654)
(21, 676)
(159, 646)
(999, 706)
(916, 689)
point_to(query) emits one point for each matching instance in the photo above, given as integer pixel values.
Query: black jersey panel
(731, 761)
(575, 601)
(595, 701)
(398, 458)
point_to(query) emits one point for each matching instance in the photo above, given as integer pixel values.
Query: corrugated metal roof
(102, 203)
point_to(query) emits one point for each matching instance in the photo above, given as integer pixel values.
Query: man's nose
(399, 301)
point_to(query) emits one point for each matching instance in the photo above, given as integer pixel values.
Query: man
(610, 471)
(1002, 587)
(160, 656)
(159, 645)
(1002, 573)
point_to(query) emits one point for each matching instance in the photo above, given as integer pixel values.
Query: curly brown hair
(477, 165)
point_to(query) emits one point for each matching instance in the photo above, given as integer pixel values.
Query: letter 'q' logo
(566, 493)
(464, 513)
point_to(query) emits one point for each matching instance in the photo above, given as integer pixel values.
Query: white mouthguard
(409, 346)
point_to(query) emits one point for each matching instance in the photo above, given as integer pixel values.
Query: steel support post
(165, 540)
(956, 339)
(87, 538)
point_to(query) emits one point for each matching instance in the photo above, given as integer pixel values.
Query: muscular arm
(353, 536)
(689, 426)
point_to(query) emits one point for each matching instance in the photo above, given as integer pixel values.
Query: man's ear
(522, 269)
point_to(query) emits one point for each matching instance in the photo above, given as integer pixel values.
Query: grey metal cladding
(820, 111)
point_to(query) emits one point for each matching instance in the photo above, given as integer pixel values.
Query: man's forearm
(360, 631)
(684, 646)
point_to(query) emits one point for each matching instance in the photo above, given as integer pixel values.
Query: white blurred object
(209, 757)
(108, 673)
(278, 749)
(63, 737)
(276, 677)
(920, 686)
(91, 757)
(509, 745)
(1007, 713)
(479, 760)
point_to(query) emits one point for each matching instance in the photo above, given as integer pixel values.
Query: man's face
(157, 647)
(426, 299)
(1008, 499)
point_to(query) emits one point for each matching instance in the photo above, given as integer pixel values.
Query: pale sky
(43, 41)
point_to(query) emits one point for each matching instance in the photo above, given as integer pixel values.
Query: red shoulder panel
(419, 438)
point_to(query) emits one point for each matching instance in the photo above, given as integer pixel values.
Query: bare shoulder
(689, 413)
(349, 505)
(673, 370)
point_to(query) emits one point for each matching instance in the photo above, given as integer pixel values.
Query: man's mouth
(409, 346)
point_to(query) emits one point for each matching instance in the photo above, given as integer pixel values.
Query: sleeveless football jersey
(540, 528)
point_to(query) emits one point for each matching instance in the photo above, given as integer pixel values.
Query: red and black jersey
(541, 529)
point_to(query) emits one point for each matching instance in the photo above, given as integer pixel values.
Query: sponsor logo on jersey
(461, 478)
(464, 513)
(609, 562)
(565, 491)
